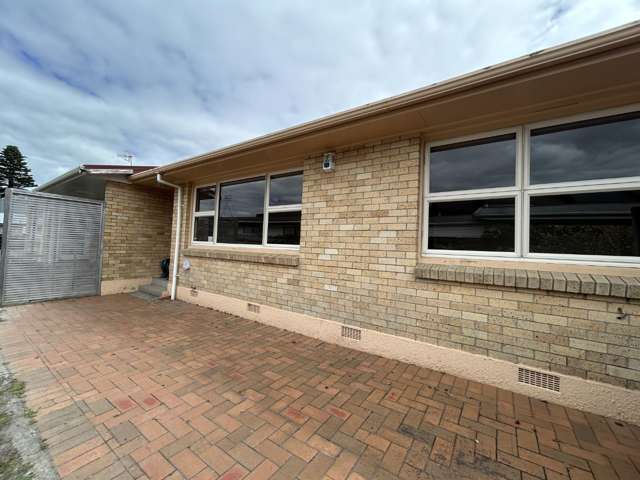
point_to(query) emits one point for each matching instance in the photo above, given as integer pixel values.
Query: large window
(264, 210)
(565, 190)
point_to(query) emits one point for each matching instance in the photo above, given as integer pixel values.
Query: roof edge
(602, 41)
(65, 177)
(92, 169)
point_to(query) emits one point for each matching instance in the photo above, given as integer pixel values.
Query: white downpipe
(176, 252)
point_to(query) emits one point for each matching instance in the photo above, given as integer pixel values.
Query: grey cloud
(83, 81)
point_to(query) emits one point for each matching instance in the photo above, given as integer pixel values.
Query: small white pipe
(176, 251)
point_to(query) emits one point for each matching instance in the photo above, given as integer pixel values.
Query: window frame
(525, 192)
(475, 194)
(204, 213)
(266, 210)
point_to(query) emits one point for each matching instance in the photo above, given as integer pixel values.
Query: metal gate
(51, 247)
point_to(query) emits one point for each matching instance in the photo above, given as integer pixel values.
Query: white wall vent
(351, 333)
(539, 379)
(253, 308)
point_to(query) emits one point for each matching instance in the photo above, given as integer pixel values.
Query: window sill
(264, 256)
(555, 281)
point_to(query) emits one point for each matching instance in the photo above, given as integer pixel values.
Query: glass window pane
(284, 228)
(485, 163)
(241, 213)
(203, 229)
(480, 225)
(206, 199)
(286, 189)
(594, 149)
(606, 223)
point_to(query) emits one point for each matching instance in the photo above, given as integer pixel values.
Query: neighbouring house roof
(599, 71)
(87, 180)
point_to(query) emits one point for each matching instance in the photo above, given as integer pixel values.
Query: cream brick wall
(358, 254)
(137, 231)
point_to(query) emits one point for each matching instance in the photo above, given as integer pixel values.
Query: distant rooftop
(88, 180)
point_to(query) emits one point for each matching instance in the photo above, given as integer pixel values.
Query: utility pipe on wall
(176, 251)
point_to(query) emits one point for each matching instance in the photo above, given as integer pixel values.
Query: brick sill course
(235, 255)
(606, 285)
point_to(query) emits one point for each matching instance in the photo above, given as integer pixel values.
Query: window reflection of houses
(473, 225)
(608, 228)
(242, 229)
(477, 224)
(558, 224)
(284, 228)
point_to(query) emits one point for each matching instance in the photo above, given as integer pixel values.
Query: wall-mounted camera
(328, 162)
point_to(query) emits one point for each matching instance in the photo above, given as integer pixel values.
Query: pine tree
(14, 171)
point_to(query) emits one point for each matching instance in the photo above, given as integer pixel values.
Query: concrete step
(163, 282)
(145, 296)
(154, 289)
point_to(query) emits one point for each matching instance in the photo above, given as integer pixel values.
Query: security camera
(328, 162)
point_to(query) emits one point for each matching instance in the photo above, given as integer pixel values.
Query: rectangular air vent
(351, 333)
(539, 379)
(253, 308)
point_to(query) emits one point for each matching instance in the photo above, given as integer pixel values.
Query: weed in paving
(12, 467)
(16, 388)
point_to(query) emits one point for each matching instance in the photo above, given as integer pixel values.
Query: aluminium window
(204, 214)
(561, 190)
(473, 195)
(241, 212)
(259, 211)
(284, 209)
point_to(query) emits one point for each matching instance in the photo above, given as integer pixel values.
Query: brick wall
(358, 256)
(137, 231)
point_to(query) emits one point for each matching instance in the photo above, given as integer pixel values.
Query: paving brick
(234, 473)
(191, 393)
(100, 406)
(522, 465)
(188, 463)
(124, 432)
(442, 451)
(299, 449)
(576, 474)
(342, 466)
(246, 456)
(316, 468)
(151, 430)
(216, 458)
(527, 439)
(324, 446)
(273, 452)
(263, 471)
(156, 467)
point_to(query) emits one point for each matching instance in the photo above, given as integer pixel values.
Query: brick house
(487, 226)
(136, 226)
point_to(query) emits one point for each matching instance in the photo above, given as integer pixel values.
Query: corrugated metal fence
(51, 247)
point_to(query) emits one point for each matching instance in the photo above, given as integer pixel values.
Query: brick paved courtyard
(129, 389)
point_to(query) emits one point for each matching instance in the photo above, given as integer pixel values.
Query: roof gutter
(614, 38)
(176, 251)
(65, 177)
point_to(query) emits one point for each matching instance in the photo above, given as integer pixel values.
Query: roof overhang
(93, 169)
(89, 180)
(596, 72)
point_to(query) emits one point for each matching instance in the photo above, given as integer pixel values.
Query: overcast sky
(82, 81)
